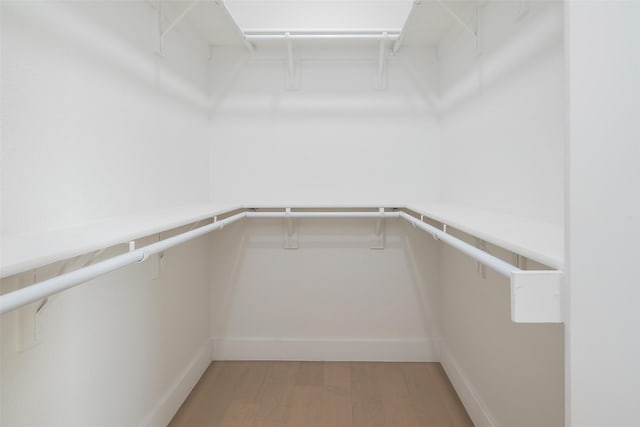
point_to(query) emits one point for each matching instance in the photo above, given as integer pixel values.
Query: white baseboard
(173, 398)
(475, 406)
(388, 350)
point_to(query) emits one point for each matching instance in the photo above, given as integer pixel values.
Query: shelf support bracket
(381, 61)
(473, 31)
(522, 10)
(480, 267)
(172, 25)
(291, 72)
(290, 231)
(27, 318)
(377, 239)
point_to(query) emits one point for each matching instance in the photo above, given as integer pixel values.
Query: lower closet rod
(33, 293)
(483, 257)
(341, 215)
(41, 290)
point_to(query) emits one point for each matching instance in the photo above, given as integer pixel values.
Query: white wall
(506, 373)
(95, 123)
(335, 140)
(603, 210)
(503, 112)
(333, 298)
(82, 86)
(121, 350)
(502, 150)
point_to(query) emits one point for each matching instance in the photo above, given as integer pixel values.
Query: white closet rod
(284, 36)
(479, 255)
(483, 257)
(41, 290)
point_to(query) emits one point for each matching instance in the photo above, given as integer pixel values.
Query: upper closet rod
(283, 36)
(41, 290)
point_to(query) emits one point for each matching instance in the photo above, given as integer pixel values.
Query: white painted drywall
(502, 115)
(123, 349)
(335, 140)
(603, 378)
(503, 112)
(95, 123)
(333, 298)
(506, 373)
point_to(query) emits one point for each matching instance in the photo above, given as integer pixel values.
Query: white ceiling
(320, 15)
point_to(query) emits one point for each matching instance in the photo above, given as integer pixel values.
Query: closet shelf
(536, 296)
(539, 241)
(26, 251)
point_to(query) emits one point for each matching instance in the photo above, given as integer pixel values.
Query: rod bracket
(145, 256)
(536, 296)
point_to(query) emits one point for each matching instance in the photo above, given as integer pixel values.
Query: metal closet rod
(41, 290)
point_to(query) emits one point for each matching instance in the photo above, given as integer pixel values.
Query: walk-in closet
(339, 213)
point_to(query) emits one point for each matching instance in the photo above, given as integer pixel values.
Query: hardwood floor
(322, 394)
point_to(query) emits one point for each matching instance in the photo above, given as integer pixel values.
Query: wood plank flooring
(322, 394)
